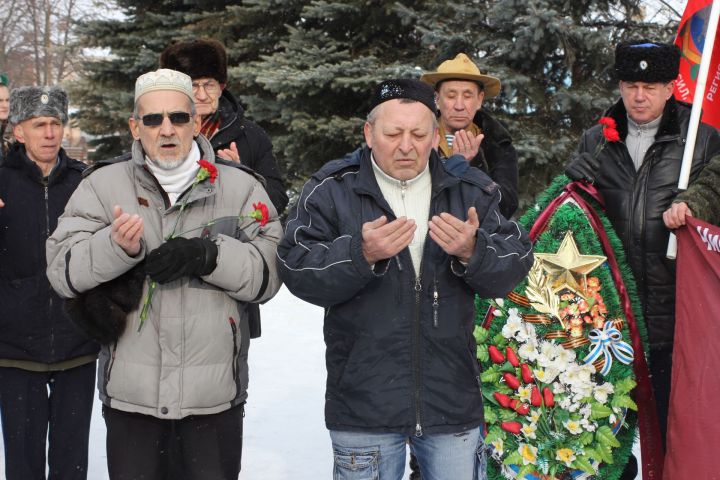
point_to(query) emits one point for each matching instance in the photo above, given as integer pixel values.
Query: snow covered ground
(285, 435)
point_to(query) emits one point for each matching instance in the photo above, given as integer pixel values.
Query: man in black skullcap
(638, 177)
(395, 244)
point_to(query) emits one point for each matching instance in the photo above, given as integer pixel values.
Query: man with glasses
(223, 119)
(175, 381)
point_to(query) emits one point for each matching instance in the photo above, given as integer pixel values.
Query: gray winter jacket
(190, 357)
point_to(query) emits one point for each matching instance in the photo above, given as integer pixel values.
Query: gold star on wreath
(567, 267)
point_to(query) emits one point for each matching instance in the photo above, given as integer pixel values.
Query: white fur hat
(163, 79)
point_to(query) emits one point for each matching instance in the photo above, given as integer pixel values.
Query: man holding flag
(637, 176)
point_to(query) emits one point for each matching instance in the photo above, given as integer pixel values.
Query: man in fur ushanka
(637, 176)
(175, 380)
(223, 119)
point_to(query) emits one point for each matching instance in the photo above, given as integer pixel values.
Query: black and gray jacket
(401, 356)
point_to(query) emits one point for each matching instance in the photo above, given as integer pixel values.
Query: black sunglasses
(156, 119)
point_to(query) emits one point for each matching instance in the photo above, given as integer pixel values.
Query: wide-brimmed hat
(462, 68)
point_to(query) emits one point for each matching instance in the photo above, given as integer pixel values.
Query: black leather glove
(101, 313)
(582, 166)
(180, 257)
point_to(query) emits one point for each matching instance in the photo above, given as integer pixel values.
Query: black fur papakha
(645, 61)
(101, 313)
(197, 58)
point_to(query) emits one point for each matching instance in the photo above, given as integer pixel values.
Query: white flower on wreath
(547, 374)
(547, 354)
(513, 324)
(585, 411)
(566, 456)
(601, 392)
(563, 358)
(527, 334)
(528, 453)
(588, 425)
(527, 352)
(573, 426)
(498, 448)
(564, 403)
(524, 393)
(529, 431)
(534, 416)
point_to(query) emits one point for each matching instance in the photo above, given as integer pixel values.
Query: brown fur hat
(198, 58)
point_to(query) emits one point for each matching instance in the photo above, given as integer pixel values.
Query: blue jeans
(382, 456)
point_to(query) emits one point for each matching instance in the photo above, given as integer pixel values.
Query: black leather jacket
(636, 200)
(253, 145)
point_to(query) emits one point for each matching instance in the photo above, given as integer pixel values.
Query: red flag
(693, 427)
(691, 41)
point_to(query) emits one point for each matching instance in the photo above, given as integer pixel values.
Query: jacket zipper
(47, 235)
(435, 305)
(416, 352)
(234, 340)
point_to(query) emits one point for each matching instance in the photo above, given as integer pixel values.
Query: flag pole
(696, 112)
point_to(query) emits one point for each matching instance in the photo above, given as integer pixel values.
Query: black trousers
(199, 447)
(46, 407)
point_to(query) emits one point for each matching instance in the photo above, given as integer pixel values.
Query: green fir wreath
(540, 429)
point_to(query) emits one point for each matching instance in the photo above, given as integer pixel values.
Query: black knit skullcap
(645, 61)
(404, 88)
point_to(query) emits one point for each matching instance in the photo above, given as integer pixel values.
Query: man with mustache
(394, 244)
(47, 368)
(175, 381)
(637, 177)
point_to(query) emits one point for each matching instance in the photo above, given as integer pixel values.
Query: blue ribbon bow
(608, 342)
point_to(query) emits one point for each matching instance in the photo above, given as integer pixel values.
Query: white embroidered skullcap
(163, 79)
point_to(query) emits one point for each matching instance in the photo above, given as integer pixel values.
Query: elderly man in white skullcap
(173, 365)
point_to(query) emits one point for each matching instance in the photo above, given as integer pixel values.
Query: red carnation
(611, 135)
(527, 375)
(512, 358)
(548, 397)
(210, 170)
(535, 398)
(511, 381)
(495, 355)
(512, 427)
(260, 214)
(502, 399)
(608, 122)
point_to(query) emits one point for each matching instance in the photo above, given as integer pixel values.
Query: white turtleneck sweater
(175, 181)
(639, 138)
(411, 199)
